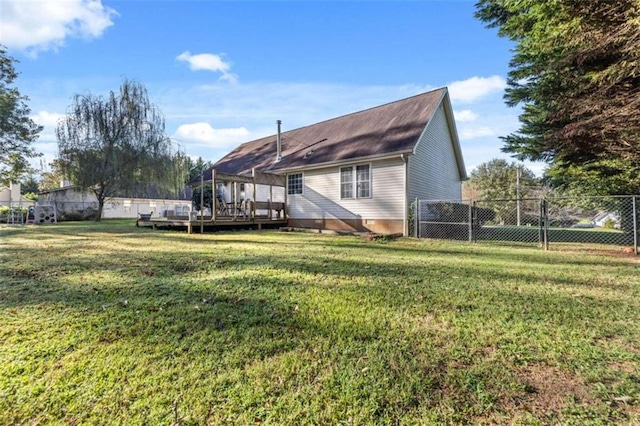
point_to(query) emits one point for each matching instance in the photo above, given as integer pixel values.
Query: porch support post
(253, 201)
(235, 200)
(270, 201)
(202, 203)
(214, 197)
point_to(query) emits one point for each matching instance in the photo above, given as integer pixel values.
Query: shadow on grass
(232, 308)
(145, 279)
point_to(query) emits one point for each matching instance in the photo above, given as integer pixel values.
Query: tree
(196, 168)
(499, 185)
(116, 146)
(608, 177)
(52, 177)
(207, 197)
(576, 71)
(17, 130)
(497, 180)
(29, 184)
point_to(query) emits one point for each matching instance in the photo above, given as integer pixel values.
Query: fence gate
(443, 220)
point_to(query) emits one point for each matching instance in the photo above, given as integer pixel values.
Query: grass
(108, 323)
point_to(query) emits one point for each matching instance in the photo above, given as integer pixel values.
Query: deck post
(202, 203)
(270, 201)
(235, 200)
(214, 196)
(253, 202)
(284, 210)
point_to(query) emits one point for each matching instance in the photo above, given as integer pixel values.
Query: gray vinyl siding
(433, 171)
(320, 198)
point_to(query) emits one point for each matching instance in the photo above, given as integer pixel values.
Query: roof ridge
(443, 88)
(368, 109)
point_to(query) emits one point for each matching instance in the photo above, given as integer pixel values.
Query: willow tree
(116, 145)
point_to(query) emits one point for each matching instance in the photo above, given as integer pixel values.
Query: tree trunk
(98, 217)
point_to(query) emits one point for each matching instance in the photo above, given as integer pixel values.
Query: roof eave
(446, 101)
(341, 162)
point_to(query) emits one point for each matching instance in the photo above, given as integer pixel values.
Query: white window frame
(289, 188)
(354, 184)
(346, 183)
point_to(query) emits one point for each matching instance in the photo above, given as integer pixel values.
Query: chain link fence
(594, 221)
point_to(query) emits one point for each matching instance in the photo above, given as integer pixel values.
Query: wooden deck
(234, 210)
(207, 224)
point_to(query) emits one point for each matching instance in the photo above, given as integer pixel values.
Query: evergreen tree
(576, 72)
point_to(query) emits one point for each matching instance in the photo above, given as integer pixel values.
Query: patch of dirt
(550, 390)
(624, 253)
(625, 367)
(619, 342)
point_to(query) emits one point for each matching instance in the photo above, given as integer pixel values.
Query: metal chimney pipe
(278, 143)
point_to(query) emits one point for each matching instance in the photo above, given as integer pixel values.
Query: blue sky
(223, 72)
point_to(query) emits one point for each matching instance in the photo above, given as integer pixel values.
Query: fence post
(541, 224)
(471, 209)
(545, 221)
(416, 217)
(635, 227)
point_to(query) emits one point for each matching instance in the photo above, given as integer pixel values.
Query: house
(10, 197)
(607, 220)
(72, 203)
(358, 172)
(13, 205)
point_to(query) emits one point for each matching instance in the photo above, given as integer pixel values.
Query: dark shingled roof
(387, 129)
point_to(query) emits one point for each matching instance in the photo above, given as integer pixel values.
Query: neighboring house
(360, 171)
(11, 197)
(607, 219)
(13, 205)
(71, 203)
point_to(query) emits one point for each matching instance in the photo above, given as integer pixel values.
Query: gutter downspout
(405, 219)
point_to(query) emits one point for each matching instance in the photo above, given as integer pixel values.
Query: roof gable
(383, 130)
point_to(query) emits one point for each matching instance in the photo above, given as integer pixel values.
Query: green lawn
(113, 324)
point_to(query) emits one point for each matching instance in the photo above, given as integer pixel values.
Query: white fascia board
(342, 162)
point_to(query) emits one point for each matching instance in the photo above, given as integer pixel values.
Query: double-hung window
(355, 181)
(294, 184)
(346, 182)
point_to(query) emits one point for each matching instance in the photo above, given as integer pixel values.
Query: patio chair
(221, 207)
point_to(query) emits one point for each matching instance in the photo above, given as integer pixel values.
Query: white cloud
(474, 88)
(46, 144)
(477, 132)
(39, 25)
(202, 134)
(465, 115)
(209, 62)
(47, 119)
